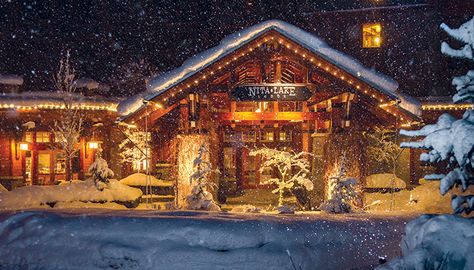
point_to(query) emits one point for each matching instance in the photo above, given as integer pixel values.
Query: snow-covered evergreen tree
(452, 139)
(200, 198)
(293, 169)
(100, 171)
(68, 129)
(342, 192)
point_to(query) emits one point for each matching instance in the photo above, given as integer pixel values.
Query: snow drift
(77, 191)
(436, 242)
(102, 239)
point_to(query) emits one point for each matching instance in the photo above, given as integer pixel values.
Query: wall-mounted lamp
(24, 146)
(93, 145)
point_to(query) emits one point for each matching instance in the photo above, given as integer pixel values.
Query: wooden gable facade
(216, 102)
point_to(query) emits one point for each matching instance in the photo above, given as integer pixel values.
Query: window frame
(369, 39)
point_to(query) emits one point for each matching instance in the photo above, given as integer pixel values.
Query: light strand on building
(319, 64)
(47, 106)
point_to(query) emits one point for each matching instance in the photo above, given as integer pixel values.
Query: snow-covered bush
(100, 171)
(293, 169)
(200, 198)
(342, 192)
(452, 139)
(436, 242)
(68, 192)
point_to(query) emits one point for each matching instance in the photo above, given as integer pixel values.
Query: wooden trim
(279, 116)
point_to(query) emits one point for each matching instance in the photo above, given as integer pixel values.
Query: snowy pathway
(104, 239)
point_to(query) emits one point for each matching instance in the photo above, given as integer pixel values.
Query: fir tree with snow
(452, 139)
(100, 171)
(200, 198)
(342, 192)
(292, 168)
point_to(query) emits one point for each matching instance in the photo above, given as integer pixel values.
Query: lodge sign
(275, 92)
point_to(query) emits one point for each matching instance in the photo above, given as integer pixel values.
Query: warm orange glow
(371, 35)
(93, 145)
(24, 146)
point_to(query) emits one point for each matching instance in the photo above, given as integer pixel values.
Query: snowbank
(425, 198)
(84, 191)
(436, 242)
(101, 239)
(140, 179)
(384, 180)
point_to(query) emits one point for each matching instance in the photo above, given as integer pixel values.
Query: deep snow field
(116, 239)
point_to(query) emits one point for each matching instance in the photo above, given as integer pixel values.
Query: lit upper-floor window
(28, 137)
(42, 137)
(371, 35)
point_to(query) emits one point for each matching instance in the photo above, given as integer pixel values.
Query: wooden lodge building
(270, 85)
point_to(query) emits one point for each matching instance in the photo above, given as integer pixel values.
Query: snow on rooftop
(231, 43)
(11, 79)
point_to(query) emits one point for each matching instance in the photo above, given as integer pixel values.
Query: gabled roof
(230, 44)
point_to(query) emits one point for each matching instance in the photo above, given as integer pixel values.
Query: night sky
(106, 36)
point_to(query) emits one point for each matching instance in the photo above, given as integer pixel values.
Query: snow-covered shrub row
(194, 240)
(452, 139)
(436, 242)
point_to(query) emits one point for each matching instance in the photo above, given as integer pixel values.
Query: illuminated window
(42, 137)
(249, 136)
(290, 106)
(28, 137)
(265, 107)
(44, 162)
(267, 136)
(372, 35)
(60, 164)
(247, 106)
(285, 136)
(140, 162)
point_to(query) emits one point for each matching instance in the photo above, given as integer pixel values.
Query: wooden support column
(239, 167)
(183, 117)
(306, 132)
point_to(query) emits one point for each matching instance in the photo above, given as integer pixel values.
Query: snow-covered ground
(103, 239)
(425, 198)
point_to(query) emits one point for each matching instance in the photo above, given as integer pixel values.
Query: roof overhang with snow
(310, 47)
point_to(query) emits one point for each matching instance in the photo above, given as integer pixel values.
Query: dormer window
(371, 35)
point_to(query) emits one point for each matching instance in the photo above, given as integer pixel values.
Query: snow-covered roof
(54, 100)
(233, 42)
(11, 79)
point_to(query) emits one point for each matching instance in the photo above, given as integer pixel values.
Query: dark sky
(104, 35)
